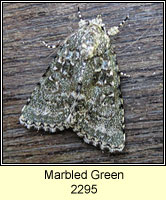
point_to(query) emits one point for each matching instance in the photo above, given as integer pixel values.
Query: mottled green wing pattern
(101, 118)
(81, 89)
(50, 102)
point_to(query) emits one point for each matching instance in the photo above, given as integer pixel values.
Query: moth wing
(49, 105)
(101, 122)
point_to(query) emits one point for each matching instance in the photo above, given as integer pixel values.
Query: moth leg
(115, 29)
(124, 74)
(53, 46)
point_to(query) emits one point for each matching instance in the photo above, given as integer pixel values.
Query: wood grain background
(139, 48)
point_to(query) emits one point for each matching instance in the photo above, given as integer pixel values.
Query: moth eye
(87, 23)
(103, 28)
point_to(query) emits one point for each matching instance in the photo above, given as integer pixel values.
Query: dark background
(139, 48)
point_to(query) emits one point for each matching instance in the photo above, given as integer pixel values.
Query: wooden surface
(139, 48)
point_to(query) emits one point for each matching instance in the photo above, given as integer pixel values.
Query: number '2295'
(81, 189)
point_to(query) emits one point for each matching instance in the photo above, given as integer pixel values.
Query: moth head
(94, 39)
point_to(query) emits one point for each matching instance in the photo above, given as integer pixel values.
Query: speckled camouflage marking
(81, 89)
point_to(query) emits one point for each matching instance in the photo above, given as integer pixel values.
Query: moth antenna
(124, 21)
(52, 46)
(79, 14)
(115, 29)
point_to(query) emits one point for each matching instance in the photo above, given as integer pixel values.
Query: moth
(81, 89)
